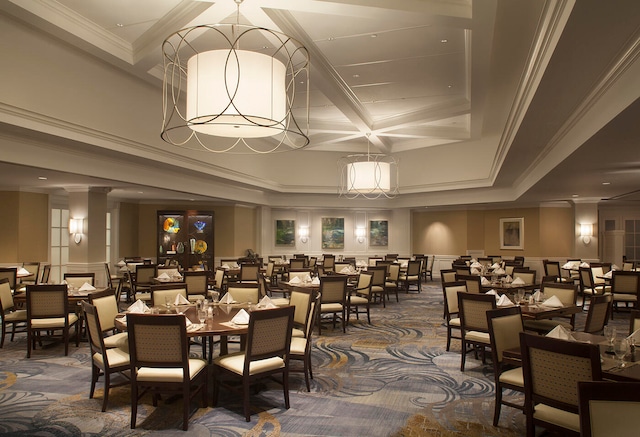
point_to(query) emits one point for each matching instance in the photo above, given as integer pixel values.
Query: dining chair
(245, 293)
(359, 299)
(166, 293)
(328, 263)
(160, 363)
(11, 316)
(588, 287)
(608, 408)
(450, 292)
(528, 276)
(552, 268)
(447, 275)
(11, 274)
(342, 267)
(48, 310)
(266, 290)
(46, 272)
(379, 274)
(142, 281)
(473, 282)
(333, 300)
(105, 361)
(301, 301)
(301, 274)
(107, 309)
(266, 354)
(391, 283)
(552, 369)
(628, 266)
(372, 261)
(474, 330)
(296, 263)
(429, 269)
(567, 293)
(625, 287)
(249, 273)
(77, 280)
(197, 285)
(221, 281)
(114, 282)
(411, 276)
(598, 314)
(505, 326)
(300, 349)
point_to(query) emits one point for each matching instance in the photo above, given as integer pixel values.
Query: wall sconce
(303, 231)
(360, 234)
(586, 232)
(76, 227)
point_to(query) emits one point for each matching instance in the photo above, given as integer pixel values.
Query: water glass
(620, 348)
(610, 335)
(202, 315)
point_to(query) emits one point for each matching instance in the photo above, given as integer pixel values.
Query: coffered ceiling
(483, 102)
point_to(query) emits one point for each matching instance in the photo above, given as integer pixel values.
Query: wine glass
(202, 315)
(610, 335)
(620, 347)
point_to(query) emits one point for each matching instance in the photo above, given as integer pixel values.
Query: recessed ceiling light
(373, 35)
(574, 195)
(119, 24)
(42, 178)
(330, 38)
(449, 86)
(444, 41)
(606, 183)
(356, 76)
(140, 192)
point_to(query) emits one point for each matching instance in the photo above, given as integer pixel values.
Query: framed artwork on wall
(512, 233)
(332, 233)
(378, 233)
(285, 232)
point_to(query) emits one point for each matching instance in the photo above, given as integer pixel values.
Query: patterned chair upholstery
(473, 323)
(450, 291)
(333, 300)
(10, 315)
(608, 408)
(552, 369)
(598, 315)
(160, 363)
(267, 353)
(107, 310)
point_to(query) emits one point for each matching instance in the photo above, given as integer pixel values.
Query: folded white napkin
(307, 278)
(537, 296)
(176, 277)
(496, 266)
(345, 270)
(404, 265)
(138, 307)
(236, 266)
(484, 281)
(508, 279)
(476, 265)
(475, 271)
(518, 281)
(121, 263)
(124, 268)
(242, 318)
(499, 271)
(315, 281)
(266, 302)
(163, 276)
(504, 301)
(227, 299)
(86, 287)
(561, 333)
(180, 300)
(553, 302)
(226, 266)
(361, 263)
(614, 267)
(294, 280)
(569, 265)
(492, 292)
(609, 274)
(23, 271)
(584, 264)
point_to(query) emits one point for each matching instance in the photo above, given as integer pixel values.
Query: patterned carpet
(390, 378)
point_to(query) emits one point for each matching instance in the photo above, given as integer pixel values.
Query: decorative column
(87, 246)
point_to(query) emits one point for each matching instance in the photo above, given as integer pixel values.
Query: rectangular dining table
(611, 369)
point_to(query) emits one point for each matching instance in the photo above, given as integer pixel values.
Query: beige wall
(548, 232)
(245, 230)
(25, 235)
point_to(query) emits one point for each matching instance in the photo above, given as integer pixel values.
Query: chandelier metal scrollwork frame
(220, 97)
(368, 175)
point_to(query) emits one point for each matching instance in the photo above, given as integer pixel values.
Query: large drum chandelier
(231, 88)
